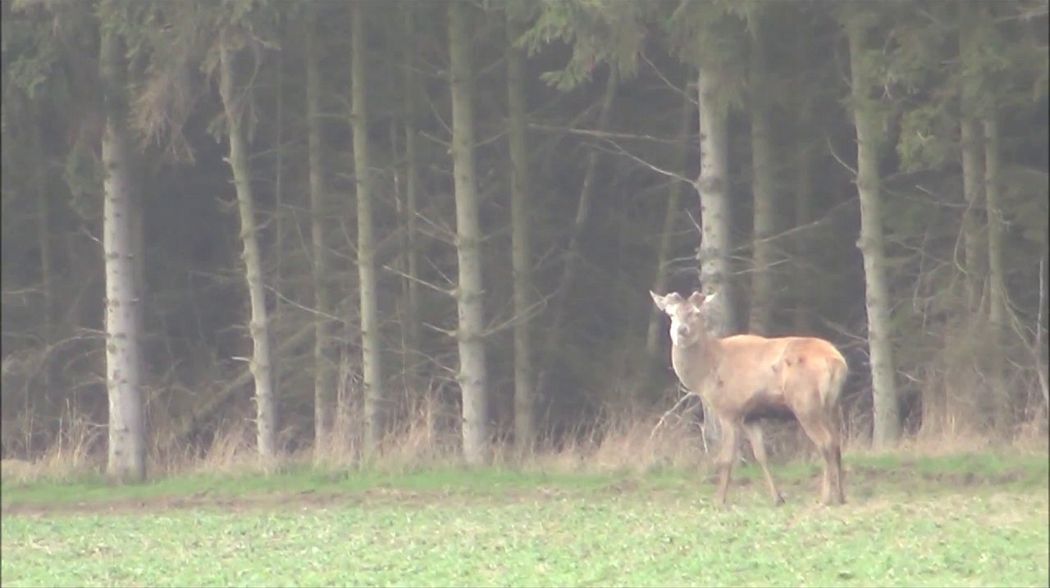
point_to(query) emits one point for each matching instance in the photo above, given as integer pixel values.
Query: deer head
(689, 317)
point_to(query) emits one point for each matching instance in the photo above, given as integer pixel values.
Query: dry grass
(624, 443)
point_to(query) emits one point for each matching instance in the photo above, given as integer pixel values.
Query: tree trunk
(413, 341)
(763, 184)
(887, 416)
(279, 226)
(372, 371)
(261, 362)
(712, 187)
(996, 275)
(127, 435)
(324, 363)
(521, 248)
(971, 144)
(469, 296)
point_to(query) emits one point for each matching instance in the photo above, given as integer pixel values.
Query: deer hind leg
(826, 440)
(754, 436)
(726, 459)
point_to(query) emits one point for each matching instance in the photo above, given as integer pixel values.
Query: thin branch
(672, 410)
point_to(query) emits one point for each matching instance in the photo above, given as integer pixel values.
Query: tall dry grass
(621, 442)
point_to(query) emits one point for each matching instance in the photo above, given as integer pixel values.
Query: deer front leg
(726, 459)
(754, 436)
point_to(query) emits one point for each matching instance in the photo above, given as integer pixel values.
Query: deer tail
(836, 378)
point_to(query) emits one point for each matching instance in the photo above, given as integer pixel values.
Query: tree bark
(413, 340)
(279, 226)
(375, 397)
(763, 184)
(324, 363)
(887, 415)
(261, 362)
(997, 300)
(971, 146)
(712, 187)
(473, 377)
(521, 248)
(127, 435)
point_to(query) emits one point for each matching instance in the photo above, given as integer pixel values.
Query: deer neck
(697, 362)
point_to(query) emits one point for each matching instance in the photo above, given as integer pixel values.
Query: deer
(744, 379)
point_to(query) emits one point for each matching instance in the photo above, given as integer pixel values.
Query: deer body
(745, 378)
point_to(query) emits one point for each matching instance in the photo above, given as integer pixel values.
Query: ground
(963, 520)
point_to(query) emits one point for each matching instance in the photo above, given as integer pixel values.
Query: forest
(361, 230)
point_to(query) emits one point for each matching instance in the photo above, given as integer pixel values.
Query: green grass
(967, 520)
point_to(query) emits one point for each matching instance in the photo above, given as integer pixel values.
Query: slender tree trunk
(887, 416)
(971, 141)
(375, 396)
(655, 330)
(43, 235)
(127, 434)
(261, 362)
(473, 377)
(996, 274)
(521, 248)
(278, 202)
(413, 340)
(763, 184)
(324, 362)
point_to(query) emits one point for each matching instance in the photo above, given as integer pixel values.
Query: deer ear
(697, 299)
(660, 301)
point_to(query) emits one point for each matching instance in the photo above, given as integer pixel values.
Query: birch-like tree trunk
(324, 362)
(712, 187)
(521, 248)
(473, 377)
(261, 362)
(371, 366)
(869, 135)
(763, 186)
(127, 434)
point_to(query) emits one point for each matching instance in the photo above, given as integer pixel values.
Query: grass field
(964, 520)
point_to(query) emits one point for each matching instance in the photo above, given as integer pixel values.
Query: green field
(971, 520)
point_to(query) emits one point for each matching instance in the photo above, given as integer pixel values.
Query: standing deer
(745, 378)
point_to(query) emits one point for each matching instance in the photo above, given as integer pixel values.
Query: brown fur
(744, 378)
